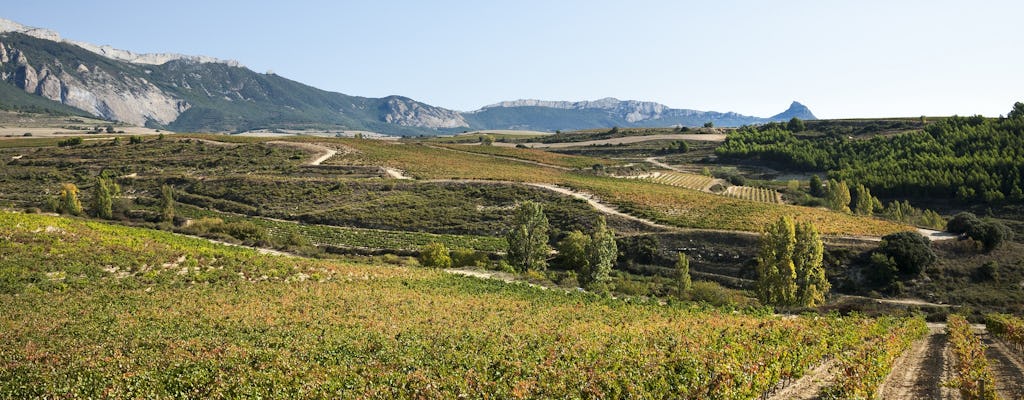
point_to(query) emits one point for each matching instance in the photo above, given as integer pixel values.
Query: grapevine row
(862, 369)
(1008, 328)
(973, 376)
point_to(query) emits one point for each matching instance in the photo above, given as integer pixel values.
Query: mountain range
(198, 93)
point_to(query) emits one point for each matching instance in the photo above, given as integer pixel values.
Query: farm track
(322, 152)
(537, 163)
(809, 386)
(921, 370)
(704, 137)
(1007, 367)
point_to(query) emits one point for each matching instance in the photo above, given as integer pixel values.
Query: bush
(911, 251)
(435, 255)
(991, 234)
(962, 223)
(75, 141)
(988, 272)
(468, 258)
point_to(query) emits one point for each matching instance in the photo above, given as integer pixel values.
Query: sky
(843, 59)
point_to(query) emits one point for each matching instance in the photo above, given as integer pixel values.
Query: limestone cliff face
(111, 95)
(407, 112)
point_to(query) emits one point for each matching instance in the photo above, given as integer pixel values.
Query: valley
(181, 226)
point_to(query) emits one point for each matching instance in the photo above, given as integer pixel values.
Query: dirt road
(1007, 367)
(920, 372)
(709, 137)
(322, 153)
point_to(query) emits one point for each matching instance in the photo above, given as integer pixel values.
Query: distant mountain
(192, 93)
(198, 93)
(563, 115)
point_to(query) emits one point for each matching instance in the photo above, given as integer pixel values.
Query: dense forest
(969, 158)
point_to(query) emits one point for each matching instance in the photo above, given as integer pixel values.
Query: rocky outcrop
(108, 51)
(407, 112)
(795, 110)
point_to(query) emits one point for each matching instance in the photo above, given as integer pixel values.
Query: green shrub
(435, 255)
(468, 258)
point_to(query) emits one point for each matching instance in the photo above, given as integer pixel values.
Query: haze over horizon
(864, 59)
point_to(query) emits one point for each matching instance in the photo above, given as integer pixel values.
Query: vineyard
(326, 235)
(539, 156)
(1008, 328)
(683, 180)
(973, 376)
(754, 194)
(118, 316)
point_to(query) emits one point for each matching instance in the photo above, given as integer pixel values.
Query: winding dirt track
(322, 153)
(705, 137)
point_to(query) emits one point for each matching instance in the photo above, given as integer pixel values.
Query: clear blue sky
(840, 58)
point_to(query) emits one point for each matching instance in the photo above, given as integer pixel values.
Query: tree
(991, 234)
(838, 196)
(1017, 112)
(776, 274)
(863, 202)
(796, 125)
(709, 124)
(102, 198)
(962, 222)
(683, 281)
(486, 140)
(528, 239)
(601, 254)
(790, 268)
(69, 202)
(166, 203)
(817, 190)
(911, 251)
(572, 253)
(808, 254)
(435, 255)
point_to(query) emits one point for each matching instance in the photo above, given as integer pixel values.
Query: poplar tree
(776, 283)
(166, 203)
(69, 202)
(528, 239)
(811, 283)
(102, 198)
(790, 269)
(683, 280)
(601, 251)
(838, 196)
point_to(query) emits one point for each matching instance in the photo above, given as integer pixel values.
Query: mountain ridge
(200, 93)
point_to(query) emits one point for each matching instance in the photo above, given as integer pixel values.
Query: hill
(119, 316)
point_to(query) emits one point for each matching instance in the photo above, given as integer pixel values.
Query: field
(684, 180)
(155, 315)
(754, 194)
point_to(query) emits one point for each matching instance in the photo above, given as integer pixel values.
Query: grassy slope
(94, 310)
(677, 206)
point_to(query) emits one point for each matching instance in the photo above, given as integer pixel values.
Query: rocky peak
(108, 51)
(796, 110)
(408, 112)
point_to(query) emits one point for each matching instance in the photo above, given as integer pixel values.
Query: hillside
(118, 316)
(186, 95)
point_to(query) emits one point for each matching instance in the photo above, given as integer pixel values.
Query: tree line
(969, 158)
